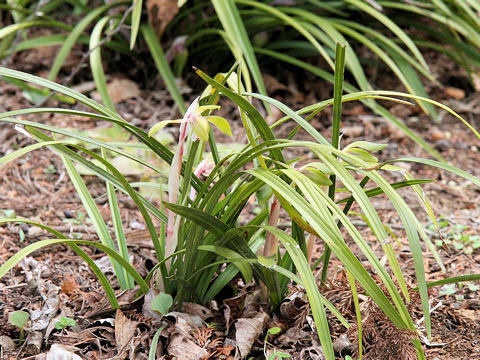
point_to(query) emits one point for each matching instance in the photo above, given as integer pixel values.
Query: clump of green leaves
(19, 319)
(456, 236)
(204, 242)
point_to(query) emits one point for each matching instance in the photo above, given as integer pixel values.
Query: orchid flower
(204, 168)
(198, 123)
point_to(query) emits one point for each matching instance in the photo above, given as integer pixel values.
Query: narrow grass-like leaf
(94, 215)
(118, 226)
(233, 25)
(332, 237)
(100, 275)
(11, 262)
(74, 35)
(336, 123)
(392, 27)
(230, 255)
(257, 120)
(358, 313)
(10, 29)
(162, 66)
(453, 280)
(152, 353)
(316, 303)
(96, 63)
(136, 17)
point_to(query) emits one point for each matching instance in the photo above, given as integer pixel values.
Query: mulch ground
(54, 282)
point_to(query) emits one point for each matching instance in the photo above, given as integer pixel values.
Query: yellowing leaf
(201, 128)
(159, 126)
(221, 124)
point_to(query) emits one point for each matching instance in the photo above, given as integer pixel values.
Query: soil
(54, 279)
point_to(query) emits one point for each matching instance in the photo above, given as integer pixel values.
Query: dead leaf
(453, 92)
(193, 321)
(124, 333)
(469, 314)
(195, 309)
(183, 348)
(233, 309)
(353, 131)
(7, 346)
(69, 285)
(181, 344)
(272, 84)
(62, 352)
(41, 318)
(160, 13)
(293, 336)
(122, 89)
(342, 343)
(292, 305)
(248, 330)
(312, 353)
(34, 342)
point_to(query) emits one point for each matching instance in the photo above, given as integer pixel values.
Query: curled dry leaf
(195, 309)
(182, 345)
(293, 305)
(147, 304)
(248, 330)
(42, 318)
(34, 342)
(160, 13)
(193, 321)
(342, 343)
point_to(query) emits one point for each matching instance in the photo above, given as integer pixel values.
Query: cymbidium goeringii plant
(215, 240)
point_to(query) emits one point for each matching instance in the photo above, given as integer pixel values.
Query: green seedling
(79, 219)
(49, 171)
(456, 237)
(162, 303)
(276, 354)
(65, 322)
(19, 319)
(7, 213)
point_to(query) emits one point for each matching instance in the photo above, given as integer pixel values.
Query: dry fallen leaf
(160, 13)
(293, 305)
(196, 309)
(124, 333)
(7, 345)
(122, 89)
(453, 92)
(248, 330)
(233, 309)
(62, 352)
(181, 344)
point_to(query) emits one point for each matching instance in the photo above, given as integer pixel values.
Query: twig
(18, 36)
(85, 55)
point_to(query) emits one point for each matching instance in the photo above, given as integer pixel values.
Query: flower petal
(200, 127)
(221, 124)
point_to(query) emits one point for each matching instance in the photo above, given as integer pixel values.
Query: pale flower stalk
(194, 122)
